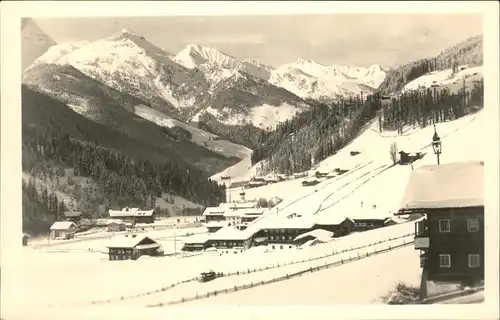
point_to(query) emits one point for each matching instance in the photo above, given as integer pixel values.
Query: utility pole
(175, 243)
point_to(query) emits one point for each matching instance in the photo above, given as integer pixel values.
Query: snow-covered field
(69, 273)
(359, 282)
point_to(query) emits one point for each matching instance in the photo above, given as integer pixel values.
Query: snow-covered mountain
(129, 63)
(219, 65)
(310, 79)
(34, 42)
(200, 81)
(207, 80)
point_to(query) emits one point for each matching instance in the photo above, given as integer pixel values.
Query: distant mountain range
(201, 80)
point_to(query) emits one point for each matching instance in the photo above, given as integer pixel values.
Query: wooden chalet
(198, 242)
(232, 238)
(339, 225)
(74, 216)
(133, 214)
(450, 237)
(63, 230)
(131, 247)
(116, 225)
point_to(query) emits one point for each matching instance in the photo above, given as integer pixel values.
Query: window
(273, 247)
(281, 247)
(444, 260)
(472, 225)
(290, 247)
(474, 261)
(444, 225)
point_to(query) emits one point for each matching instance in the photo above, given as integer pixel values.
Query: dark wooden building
(74, 216)
(366, 224)
(450, 236)
(133, 214)
(131, 247)
(340, 226)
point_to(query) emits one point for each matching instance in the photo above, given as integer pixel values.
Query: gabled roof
(319, 234)
(452, 185)
(62, 225)
(213, 210)
(131, 241)
(231, 233)
(198, 238)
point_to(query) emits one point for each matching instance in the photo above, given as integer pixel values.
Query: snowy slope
(203, 138)
(344, 194)
(34, 42)
(309, 79)
(446, 78)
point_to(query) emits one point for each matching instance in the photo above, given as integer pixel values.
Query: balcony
(421, 243)
(421, 228)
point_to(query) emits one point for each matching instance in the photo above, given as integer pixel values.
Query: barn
(131, 247)
(63, 230)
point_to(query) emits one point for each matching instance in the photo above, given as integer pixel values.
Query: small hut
(63, 230)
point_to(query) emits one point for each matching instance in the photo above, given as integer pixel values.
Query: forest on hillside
(316, 134)
(125, 171)
(41, 209)
(468, 52)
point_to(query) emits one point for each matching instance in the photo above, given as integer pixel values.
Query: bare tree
(393, 151)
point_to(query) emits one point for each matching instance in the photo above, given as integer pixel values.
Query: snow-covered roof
(62, 225)
(452, 185)
(216, 224)
(131, 241)
(213, 210)
(282, 222)
(130, 212)
(231, 233)
(319, 234)
(243, 212)
(198, 238)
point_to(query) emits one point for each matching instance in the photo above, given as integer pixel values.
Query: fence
(248, 271)
(282, 278)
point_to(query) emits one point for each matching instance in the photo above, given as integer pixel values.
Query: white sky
(351, 39)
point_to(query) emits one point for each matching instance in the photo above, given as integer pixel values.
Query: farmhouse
(131, 247)
(133, 214)
(214, 214)
(232, 238)
(116, 225)
(451, 236)
(198, 242)
(339, 225)
(74, 216)
(63, 230)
